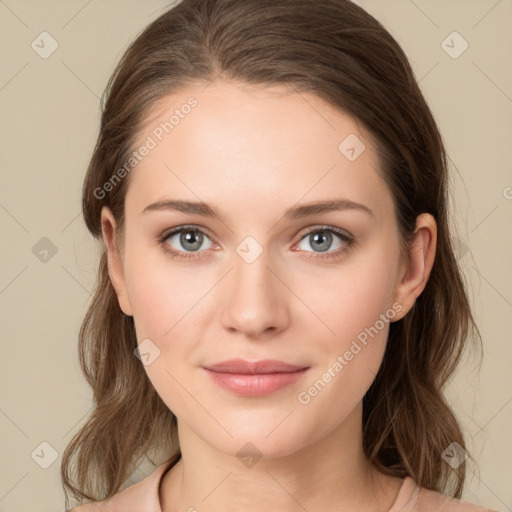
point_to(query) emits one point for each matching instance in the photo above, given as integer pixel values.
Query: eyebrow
(296, 212)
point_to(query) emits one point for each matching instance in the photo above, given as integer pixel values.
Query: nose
(255, 300)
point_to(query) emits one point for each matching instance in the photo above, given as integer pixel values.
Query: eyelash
(345, 237)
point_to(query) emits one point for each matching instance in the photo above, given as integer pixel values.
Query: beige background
(50, 116)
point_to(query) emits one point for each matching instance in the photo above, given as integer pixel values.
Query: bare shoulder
(81, 508)
(95, 506)
(113, 504)
(142, 496)
(432, 501)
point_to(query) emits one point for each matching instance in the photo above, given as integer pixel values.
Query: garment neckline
(166, 467)
(406, 492)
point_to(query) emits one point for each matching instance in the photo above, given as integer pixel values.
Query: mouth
(241, 366)
(253, 379)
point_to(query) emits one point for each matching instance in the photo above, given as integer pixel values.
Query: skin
(253, 152)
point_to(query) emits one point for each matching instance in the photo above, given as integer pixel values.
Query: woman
(258, 370)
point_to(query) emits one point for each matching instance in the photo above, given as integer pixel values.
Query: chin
(262, 440)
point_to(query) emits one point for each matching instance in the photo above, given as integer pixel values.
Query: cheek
(353, 312)
(163, 298)
(163, 295)
(349, 299)
(167, 301)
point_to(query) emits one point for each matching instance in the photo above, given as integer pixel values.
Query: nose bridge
(255, 299)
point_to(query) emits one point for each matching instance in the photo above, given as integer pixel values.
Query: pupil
(326, 236)
(188, 238)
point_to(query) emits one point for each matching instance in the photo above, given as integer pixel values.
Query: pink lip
(259, 378)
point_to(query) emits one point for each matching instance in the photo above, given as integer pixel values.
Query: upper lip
(242, 366)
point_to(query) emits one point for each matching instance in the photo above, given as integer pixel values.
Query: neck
(331, 474)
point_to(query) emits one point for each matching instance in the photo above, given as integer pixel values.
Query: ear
(115, 261)
(415, 271)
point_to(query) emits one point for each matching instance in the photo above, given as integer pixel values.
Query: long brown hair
(339, 52)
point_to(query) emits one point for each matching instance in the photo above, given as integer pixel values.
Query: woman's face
(266, 277)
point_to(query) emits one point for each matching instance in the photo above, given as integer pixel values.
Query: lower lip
(255, 385)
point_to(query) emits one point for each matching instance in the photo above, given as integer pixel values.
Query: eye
(321, 239)
(186, 239)
(187, 242)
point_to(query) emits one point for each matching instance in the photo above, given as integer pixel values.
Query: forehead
(254, 145)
